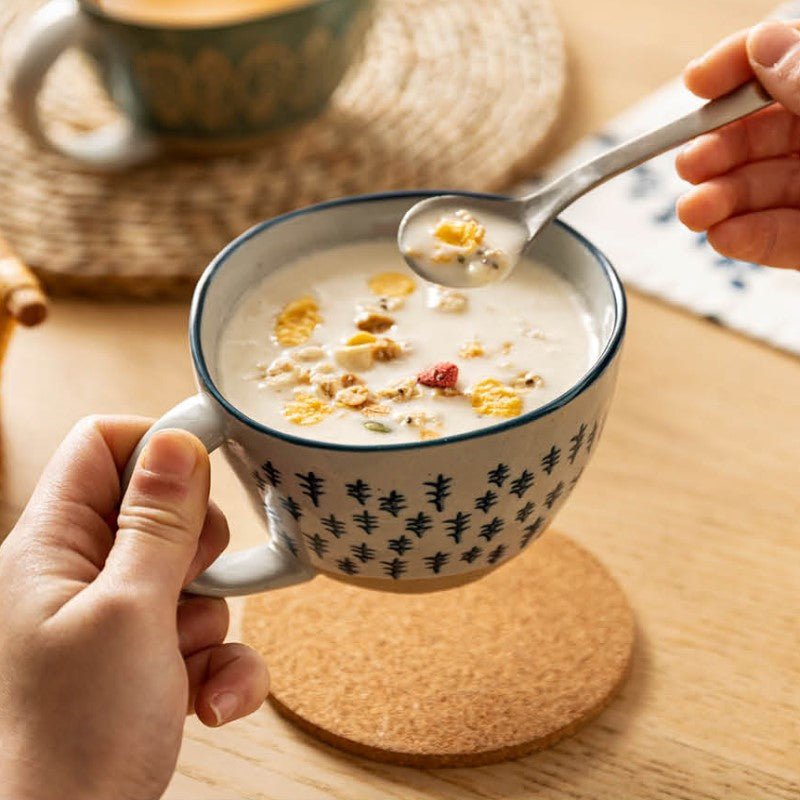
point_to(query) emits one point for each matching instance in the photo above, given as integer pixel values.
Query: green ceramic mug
(193, 88)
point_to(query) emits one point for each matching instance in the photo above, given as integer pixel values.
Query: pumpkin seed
(377, 427)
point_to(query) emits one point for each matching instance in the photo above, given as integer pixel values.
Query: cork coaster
(493, 670)
(446, 94)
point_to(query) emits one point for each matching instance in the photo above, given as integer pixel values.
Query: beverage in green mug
(191, 12)
(194, 77)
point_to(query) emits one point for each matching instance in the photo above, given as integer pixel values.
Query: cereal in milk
(348, 345)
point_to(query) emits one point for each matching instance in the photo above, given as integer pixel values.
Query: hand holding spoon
(511, 224)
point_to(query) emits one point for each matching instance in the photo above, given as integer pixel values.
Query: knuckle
(119, 603)
(153, 485)
(762, 242)
(88, 425)
(164, 522)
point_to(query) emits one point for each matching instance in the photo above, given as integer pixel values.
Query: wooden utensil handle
(21, 293)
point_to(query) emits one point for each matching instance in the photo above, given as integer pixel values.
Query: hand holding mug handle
(254, 570)
(56, 27)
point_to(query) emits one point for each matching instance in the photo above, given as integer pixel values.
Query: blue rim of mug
(91, 7)
(596, 370)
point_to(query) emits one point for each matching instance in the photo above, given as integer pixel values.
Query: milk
(530, 337)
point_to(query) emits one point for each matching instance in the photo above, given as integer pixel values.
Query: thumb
(773, 49)
(162, 515)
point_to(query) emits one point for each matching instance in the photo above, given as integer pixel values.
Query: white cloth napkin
(632, 219)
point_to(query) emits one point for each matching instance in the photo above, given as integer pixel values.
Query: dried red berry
(443, 375)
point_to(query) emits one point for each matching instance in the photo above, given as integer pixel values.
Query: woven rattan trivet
(447, 94)
(492, 670)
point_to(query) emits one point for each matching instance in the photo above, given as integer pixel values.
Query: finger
(84, 470)
(753, 187)
(773, 50)
(769, 133)
(202, 622)
(727, 64)
(64, 530)
(771, 238)
(228, 681)
(162, 515)
(721, 69)
(214, 539)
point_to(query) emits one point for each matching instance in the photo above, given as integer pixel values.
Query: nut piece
(281, 372)
(527, 380)
(373, 321)
(323, 377)
(297, 321)
(328, 388)
(349, 379)
(448, 300)
(328, 384)
(426, 423)
(353, 396)
(355, 358)
(386, 349)
(472, 349)
(494, 399)
(402, 390)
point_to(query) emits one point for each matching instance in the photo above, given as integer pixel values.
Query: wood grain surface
(691, 502)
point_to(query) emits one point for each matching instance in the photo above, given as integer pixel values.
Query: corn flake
(297, 321)
(464, 231)
(495, 399)
(305, 409)
(391, 284)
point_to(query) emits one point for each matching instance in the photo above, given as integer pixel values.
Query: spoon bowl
(441, 245)
(471, 264)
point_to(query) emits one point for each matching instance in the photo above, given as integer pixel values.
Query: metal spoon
(523, 218)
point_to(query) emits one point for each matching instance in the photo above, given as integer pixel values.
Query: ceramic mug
(405, 517)
(195, 88)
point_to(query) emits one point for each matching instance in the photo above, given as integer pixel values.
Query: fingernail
(170, 453)
(770, 42)
(224, 706)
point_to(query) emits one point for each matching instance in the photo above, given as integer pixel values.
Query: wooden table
(692, 502)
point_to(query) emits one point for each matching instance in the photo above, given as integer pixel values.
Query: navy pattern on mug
(433, 526)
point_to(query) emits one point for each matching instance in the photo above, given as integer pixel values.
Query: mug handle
(245, 572)
(54, 28)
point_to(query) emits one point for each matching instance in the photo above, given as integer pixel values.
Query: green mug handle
(265, 566)
(53, 29)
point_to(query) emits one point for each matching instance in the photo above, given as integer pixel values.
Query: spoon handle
(543, 205)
